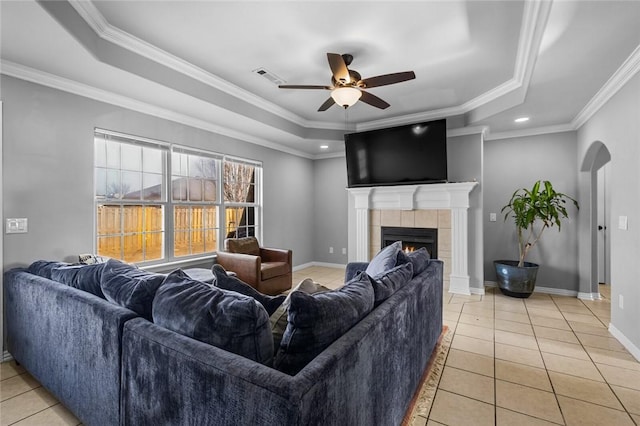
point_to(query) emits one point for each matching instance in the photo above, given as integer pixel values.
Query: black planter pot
(514, 280)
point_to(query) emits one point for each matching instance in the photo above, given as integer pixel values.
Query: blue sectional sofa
(110, 365)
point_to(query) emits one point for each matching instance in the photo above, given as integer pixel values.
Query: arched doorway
(596, 157)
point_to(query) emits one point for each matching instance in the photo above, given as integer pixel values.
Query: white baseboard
(6, 356)
(633, 349)
(323, 264)
(589, 296)
(547, 290)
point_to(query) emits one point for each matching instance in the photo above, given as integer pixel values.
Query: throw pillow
(278, 319)
(316, 321)
(385, 259)
(225, 282)
(387, 283)
(82, 277)
(132, 288)
(225, 319)
(44, 268)
(419, 258)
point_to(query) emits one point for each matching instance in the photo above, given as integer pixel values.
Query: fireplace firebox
(412, 238)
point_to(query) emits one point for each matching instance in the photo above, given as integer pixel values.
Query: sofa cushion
(419, 258)
(278, 319)
(273, 269)
(385, 259)
(44, 268)
(387, 283)
(245, 245)
(130, 287)
(225, 319)
(224, 281)
(82, 277)
(316, 321)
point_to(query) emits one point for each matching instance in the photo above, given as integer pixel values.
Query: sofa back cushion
(226, 282)
(44, 268)
(225, 319)
(315, 321)
(419, 258)
(387, 283)
(245, 245)
(82, 277)
(130, 287)
(386, 259)
(279, 318)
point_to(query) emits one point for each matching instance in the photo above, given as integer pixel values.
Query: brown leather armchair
(268, 270)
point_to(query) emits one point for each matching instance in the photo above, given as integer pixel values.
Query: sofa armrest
(246, 266)
(275, 255)
(353, 268)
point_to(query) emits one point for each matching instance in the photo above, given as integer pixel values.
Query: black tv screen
(403, 155)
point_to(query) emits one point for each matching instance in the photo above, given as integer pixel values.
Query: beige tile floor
(539, 361)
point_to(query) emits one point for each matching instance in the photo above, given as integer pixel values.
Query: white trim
(619, 78)
(6, 356)
(540, 289)
(465, 131)
(476, 290)
(536, 131)
(314, 263)
(589, 296)
(121, 38)
(40, 77)
(555, 291)
(628, 344)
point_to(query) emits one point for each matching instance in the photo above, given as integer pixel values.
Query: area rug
(420, 405)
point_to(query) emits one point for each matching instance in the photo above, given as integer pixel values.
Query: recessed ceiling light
(521, 119)
(324, 146)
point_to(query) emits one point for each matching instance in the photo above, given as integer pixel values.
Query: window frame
(167, 202)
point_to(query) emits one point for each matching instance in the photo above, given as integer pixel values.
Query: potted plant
(533, 211)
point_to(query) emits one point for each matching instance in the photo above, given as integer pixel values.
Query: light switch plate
(16, 225)
(492, 217)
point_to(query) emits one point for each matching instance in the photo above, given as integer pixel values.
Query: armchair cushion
(273, 269)
(246, 245)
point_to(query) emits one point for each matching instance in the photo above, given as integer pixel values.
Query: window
(157, 202)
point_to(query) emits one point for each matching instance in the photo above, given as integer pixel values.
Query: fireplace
(412, 238)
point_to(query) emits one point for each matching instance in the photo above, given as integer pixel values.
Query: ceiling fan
(347, 85)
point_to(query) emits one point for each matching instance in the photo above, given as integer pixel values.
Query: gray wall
(617, 126)
(515, 163)
(48, 173)
(330, 209)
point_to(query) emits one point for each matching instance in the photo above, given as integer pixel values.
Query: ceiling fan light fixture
(346, 96)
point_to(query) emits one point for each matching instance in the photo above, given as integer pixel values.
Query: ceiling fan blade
(327, 104)
(373, 100)
(383, 80)
(303, 86)
(338, 68)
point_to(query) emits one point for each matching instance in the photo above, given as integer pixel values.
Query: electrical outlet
(622, 222)
(344, 250)
(492, 217)
(330, 250)
(620, 301)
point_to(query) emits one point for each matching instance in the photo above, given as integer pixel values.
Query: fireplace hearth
(412, 238)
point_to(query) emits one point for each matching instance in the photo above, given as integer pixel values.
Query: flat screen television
(403, 155)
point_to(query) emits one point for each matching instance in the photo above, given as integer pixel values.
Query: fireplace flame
(409, 249)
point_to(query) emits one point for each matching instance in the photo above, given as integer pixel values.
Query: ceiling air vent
(269, 76)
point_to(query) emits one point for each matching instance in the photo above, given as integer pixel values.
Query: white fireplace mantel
(453, 196)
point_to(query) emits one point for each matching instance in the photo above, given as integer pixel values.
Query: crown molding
(525, 60)
(70, 86)
(465, 131)
(623, 74)
(534, 131)
(103, 29)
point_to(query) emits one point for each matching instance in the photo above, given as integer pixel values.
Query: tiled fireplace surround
(440, 206)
